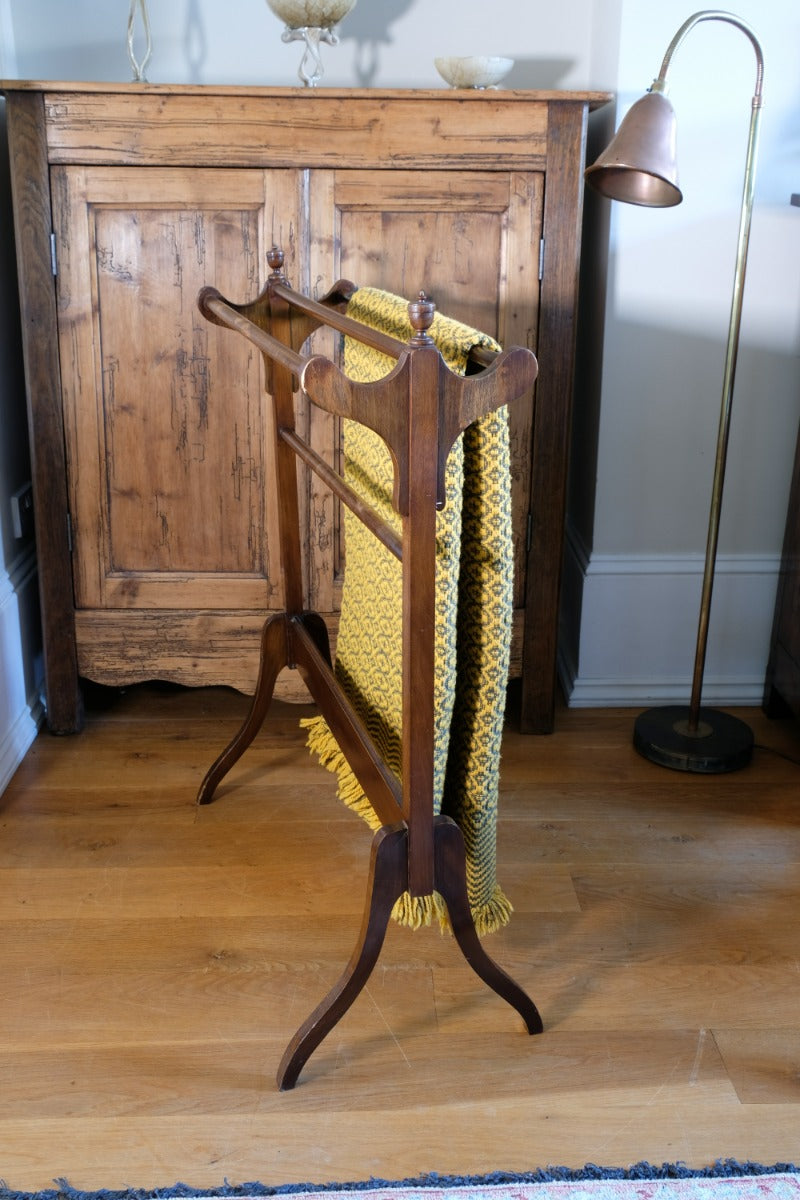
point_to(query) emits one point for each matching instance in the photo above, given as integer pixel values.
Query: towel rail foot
(451, 883)
(274, 657)
(388, 879)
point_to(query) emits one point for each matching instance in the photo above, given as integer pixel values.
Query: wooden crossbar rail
(376, 778)
(382, 531)
(478, 355)
(210, 302)
(339, 321)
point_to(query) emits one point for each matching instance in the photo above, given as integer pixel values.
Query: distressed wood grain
(150, 427)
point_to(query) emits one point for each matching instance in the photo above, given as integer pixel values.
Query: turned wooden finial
(275, 258)
(420, 314)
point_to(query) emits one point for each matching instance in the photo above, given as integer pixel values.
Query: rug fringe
(721, 1169)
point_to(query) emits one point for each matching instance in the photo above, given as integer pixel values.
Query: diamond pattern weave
(474, 572)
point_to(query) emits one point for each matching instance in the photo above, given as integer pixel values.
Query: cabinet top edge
(594, 99)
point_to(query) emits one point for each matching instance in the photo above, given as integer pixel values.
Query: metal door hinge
(69, 533)
(53, 255)
(541, 259)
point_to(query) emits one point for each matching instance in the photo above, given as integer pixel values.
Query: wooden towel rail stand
(419, 410)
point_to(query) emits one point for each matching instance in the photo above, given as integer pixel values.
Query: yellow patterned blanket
(474, 575)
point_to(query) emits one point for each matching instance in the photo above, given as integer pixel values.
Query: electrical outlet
(22, 511)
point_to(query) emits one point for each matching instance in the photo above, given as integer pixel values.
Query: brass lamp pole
(639, 167)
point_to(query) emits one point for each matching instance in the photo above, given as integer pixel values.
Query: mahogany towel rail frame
(419, 410)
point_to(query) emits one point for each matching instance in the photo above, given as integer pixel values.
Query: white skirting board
(21, 710)
(630, 628)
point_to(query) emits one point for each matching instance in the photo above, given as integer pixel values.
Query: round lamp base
(720, 742)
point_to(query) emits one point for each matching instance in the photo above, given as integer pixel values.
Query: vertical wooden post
(285, 461)
(419, 598)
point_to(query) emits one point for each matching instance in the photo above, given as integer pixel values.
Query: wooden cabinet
(782, 687)
(782, 691)
(152, 476)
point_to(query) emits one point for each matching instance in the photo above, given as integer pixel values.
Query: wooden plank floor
(157, 958)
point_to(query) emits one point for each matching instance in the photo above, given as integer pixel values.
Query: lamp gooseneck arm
(712, 14)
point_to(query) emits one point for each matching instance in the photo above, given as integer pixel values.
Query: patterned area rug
(726, 1180)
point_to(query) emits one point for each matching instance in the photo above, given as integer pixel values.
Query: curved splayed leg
(273, 660)
(451, 883)
(388, 879)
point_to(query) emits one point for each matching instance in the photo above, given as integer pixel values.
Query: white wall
(384, 43)
(639, 555)
(644, 433)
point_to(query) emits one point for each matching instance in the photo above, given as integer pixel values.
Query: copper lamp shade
(638, 167)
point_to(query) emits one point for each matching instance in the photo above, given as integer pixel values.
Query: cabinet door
(471, 241)
(167, 433)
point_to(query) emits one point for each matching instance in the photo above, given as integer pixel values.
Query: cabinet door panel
(471, 241)
(168, 441)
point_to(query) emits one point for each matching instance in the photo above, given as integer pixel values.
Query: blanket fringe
(494, 914)
(417, 911)
(321, 742)
(412, 911)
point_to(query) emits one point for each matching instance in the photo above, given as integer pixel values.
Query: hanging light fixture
(639, 167)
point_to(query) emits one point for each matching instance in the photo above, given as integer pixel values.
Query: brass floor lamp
(639, 167)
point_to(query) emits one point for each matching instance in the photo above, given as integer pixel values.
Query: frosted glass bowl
(473, 71)
(317, 14)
